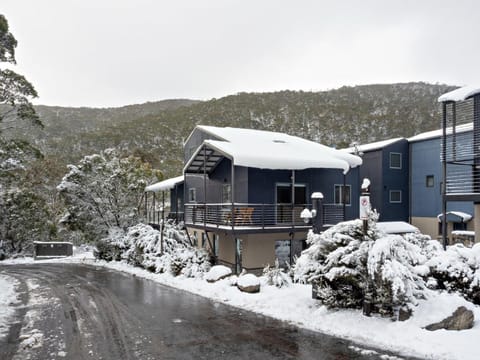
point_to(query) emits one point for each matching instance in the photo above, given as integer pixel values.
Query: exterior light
(306, 215)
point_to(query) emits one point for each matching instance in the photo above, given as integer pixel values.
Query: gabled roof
(460, 94)
(372, 146)
(165, 184)
(271, 150)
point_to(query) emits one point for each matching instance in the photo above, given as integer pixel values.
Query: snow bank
(8, 298)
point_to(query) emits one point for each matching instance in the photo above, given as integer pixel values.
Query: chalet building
(244, 191)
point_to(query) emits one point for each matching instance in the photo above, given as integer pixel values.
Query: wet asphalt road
(72, 311)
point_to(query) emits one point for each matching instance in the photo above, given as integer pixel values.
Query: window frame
(192, 191)
(340, 201)
(390, 196)
(427, 181)
(399, 167)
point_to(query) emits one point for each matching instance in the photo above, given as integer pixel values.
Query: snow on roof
(274, 150)
(438, 133)
(165, 184)
(464, 217)
(460, 94)
(371, 146)
(396, 227)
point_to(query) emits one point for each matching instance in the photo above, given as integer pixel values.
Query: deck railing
(256, 215)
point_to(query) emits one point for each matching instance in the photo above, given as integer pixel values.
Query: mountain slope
(156, 131)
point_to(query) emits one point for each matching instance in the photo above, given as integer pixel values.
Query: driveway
(73, 311)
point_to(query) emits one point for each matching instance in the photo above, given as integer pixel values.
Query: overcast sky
(116, 52)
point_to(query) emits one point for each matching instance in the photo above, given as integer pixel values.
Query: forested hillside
(155, 131)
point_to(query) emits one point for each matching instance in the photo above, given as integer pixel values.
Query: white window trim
(390, 161)
(341, 194)
(390, 197)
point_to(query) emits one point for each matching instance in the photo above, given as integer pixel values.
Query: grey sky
(117, 52)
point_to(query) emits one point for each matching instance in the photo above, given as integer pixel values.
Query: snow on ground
(8, 298)
(295, 305)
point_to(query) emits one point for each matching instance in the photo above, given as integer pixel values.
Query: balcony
(255, 217)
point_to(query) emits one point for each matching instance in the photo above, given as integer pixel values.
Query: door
(284, 202)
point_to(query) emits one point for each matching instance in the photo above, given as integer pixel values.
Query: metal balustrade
(256, 215)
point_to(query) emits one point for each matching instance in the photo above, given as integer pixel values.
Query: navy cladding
(427, 201)
(394, 180)
(385, 179)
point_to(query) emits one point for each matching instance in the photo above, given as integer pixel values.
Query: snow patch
(8, 299)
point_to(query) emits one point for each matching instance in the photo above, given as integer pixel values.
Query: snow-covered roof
(460, 94)
(396, 227)
(165, 184)
(456, 216)
(438, 133)
(371, 146)
(274, 150)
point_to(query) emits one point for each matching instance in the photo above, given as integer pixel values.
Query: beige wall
(258, 250)
(429, 226)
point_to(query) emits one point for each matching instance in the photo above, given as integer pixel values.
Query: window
(226, 193)
(430, 181)
(343, 194)
(204, 239)
(459, 226)
(192, 195)
(395, 160)
(194, 238)
(395, 196)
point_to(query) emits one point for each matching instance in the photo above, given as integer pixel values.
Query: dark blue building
(244, 191)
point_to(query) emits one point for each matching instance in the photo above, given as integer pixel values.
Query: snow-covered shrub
(142, 246)
(395, 265)
(341, 262)
(336, 263)
(457, 269)
(276, 276)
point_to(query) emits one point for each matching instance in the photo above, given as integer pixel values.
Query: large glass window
(343, 194)
(395, 160)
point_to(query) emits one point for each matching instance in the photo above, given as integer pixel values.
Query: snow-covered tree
(343, 261)
(15, 90)
(103, 192)
(23, 220)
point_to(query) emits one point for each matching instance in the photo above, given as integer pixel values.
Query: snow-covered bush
(142, 246)
(395, 265)
(342, 261)
(276, 276)
(457, 269)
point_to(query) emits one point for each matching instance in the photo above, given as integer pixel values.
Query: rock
(218, 272)
(461, 319)
(248, 283)
(404, 314)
